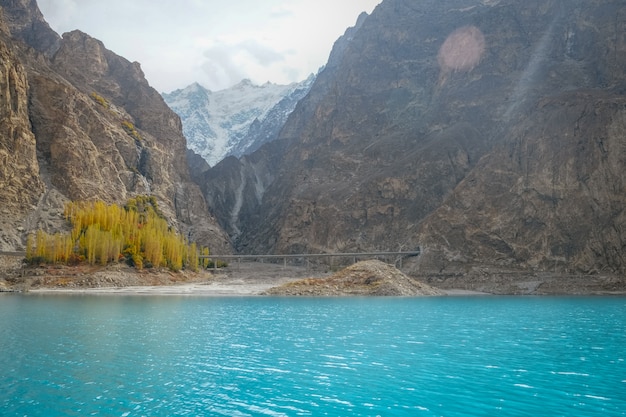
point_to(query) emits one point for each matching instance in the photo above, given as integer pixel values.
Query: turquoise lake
(254, 356)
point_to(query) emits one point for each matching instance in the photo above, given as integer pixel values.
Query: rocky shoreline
(254, 278)
(529, 283)
(238, 279)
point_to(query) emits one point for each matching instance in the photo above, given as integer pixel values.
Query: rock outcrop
(488, 133)
(366, 278)
(85, 124)
(29, 26)
(19, 170)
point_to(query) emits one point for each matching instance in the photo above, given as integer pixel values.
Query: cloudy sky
(214, 42)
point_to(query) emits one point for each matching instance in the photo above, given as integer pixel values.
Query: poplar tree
(103, 233)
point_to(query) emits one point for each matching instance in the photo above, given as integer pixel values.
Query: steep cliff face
(28, 25)
(486, 132)
(550, 196)
(20, 185)
(102, 132)
(551, 199)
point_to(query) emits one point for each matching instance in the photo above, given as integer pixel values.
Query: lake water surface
(255, 356)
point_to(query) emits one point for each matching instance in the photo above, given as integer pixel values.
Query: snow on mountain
(218, 124)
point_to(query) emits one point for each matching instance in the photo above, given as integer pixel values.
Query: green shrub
(131, 130)
(100, 100)
(220, 264)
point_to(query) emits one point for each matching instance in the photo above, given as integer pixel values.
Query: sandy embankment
(239, 279)
(254, 278)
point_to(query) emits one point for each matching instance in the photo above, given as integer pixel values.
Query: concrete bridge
(397, 256)
(13, 254)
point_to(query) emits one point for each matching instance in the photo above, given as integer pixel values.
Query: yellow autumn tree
(205, 260)
(192, 257)
(103, 233)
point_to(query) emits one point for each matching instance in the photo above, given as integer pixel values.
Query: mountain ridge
(236, 120)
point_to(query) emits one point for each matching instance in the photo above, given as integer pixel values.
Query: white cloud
(213, 42)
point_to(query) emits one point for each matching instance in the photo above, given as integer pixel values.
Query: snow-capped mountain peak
(217, 124)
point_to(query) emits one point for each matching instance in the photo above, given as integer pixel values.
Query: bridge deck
(312, 255)
(307, 256)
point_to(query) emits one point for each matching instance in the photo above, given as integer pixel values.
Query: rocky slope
(488, 133)
(366, 278)
(27, 24)
(237, 120)
(83, 123)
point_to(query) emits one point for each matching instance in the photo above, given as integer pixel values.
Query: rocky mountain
(80, 122)
(489, 133)
(236, 120)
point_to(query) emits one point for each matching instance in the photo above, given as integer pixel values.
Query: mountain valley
(488, 134)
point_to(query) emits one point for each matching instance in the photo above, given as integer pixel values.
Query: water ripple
(167, 356)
